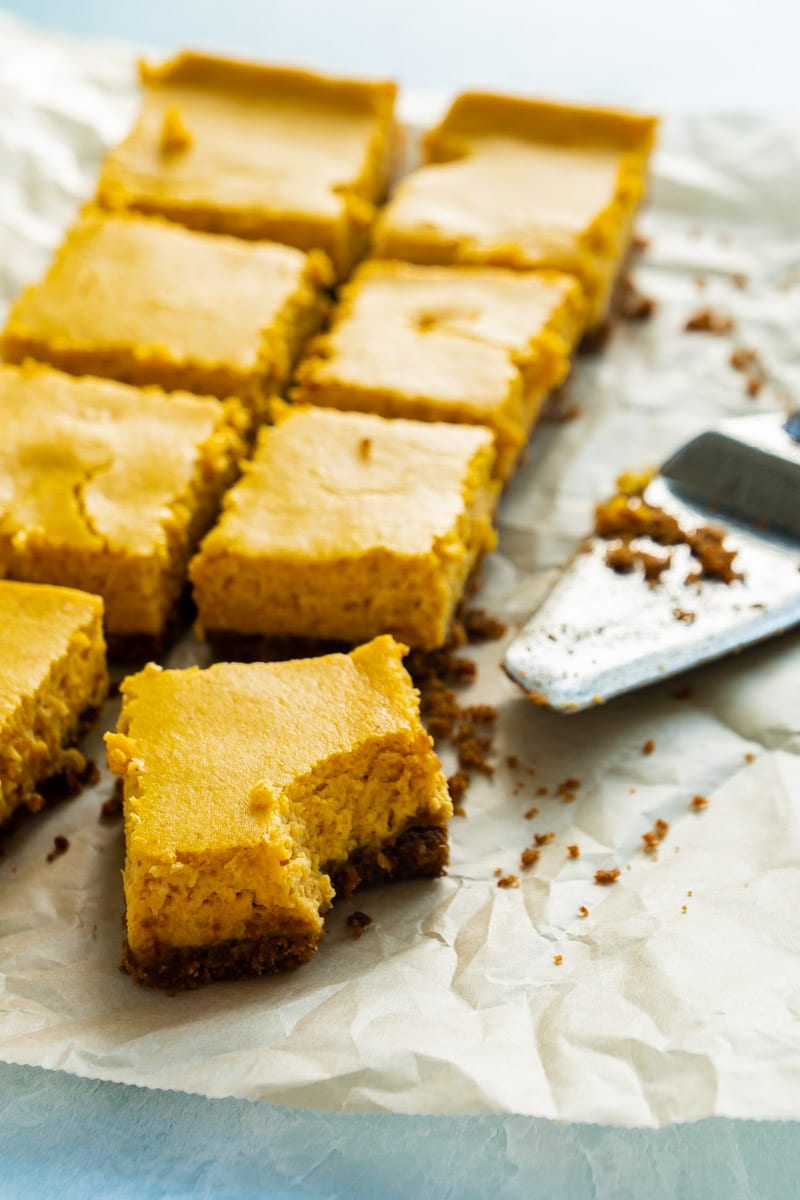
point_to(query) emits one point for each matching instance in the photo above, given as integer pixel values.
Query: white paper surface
(452, 1002)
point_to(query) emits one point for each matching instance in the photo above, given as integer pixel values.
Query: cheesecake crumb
(529, 857)
(358, 922)
(175, 135)
(558, 959)
(683, 908)
(365, 447)
(60, 846)
(708, 320)
(649, 746)
(543, 839)
(685, 615)
(541, 791)
(498, 871)
(512, 762)
(606, 877)
(699, 803)
(508, 881)
(531, 813)
(749, 757)
(689, 893)
(574, 851)
(740, 280)
(700, 281)
(583, 911)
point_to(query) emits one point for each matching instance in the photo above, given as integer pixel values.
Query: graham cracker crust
(421, 852)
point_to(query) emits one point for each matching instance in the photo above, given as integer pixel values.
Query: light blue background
(67, 1137)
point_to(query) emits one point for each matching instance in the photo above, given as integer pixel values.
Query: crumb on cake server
(526, 184)
(109, 488)
(144, 301)
(257, 151)
(52, 680)
(476, 345)
(346, 525)
(253, 793)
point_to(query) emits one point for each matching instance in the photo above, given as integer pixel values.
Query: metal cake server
(599, 633)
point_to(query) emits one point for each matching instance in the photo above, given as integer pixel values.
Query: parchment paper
(452, 1001)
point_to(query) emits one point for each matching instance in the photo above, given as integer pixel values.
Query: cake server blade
(599, 634)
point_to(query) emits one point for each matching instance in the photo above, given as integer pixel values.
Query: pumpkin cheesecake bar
(52, 678)
(257, 151)
(346, 525)
(144, 301)
(522, 183)
(254, 793)
(467, 344)
(109, 488)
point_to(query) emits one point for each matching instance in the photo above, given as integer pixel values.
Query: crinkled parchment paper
(679, 995)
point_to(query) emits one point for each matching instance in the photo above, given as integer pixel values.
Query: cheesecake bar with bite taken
(254, 793)
(52, 680)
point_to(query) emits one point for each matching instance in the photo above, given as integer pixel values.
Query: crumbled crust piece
(529, 857)
(649, 746)
(698, 803)
(175, 134)
(654, 837)
(574, 851)
(707, 320)
(60, 846)
(358, 922)
(508, 881)
(606, 877)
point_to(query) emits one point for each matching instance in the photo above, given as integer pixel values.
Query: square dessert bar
(144, 301)
(109, 488)
(258, 152)
(476, 345)
(346, 525)
(52, 679)
(255, 792)
(525, 184)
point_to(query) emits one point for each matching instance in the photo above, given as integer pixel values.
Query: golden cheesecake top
(91, 463)
(522, 183)
(210, 755)
(143, 284)
(455, 335)
(39, 625)
(255, 149)
(324, 485)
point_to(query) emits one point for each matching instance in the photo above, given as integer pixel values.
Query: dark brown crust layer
(419, 852)
(188, 967)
